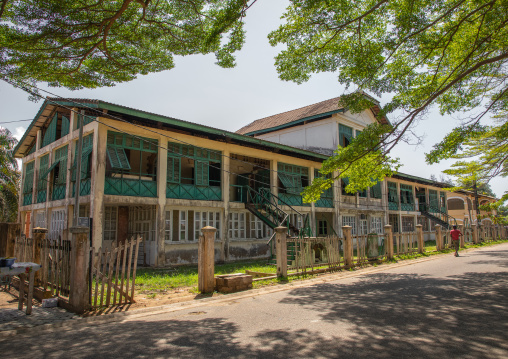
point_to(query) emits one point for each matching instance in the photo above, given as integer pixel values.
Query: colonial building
(165, 179)
(461, 206)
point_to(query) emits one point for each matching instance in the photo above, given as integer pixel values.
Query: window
(376, 225)
(424, 222)
(350, 221)
(363, 226)
(110, 220)
(293, 178)
(167, 226)
(322, 227)
(375, 191)
(344, 182)
(345, 135)
(203, 219)
(57, 223)
(258, 229)
(408, 224)
(183, 225)
(40, 219)
(237, 225)
(394, 222)
(392, 192)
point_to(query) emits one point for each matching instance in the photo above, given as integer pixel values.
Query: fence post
(474, 230)
(388, 242)
(80, 253)
(421, 243)
(281, 251)
(206, 260)
(439, 238)
(348, 246)
(462, 238)
(8, 234)
(39, 236)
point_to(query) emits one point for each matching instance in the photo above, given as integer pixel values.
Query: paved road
(445, 307)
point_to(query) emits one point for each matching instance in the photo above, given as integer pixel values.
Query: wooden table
(22, 270)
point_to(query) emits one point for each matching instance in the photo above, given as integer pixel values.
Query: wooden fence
(111, 273)
(311, 253)
(55, 259)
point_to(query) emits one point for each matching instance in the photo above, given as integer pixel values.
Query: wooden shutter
(173, 169)
(201, 173)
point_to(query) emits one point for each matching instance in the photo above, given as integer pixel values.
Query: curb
(169, 308)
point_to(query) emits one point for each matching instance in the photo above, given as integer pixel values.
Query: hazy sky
(199, 91)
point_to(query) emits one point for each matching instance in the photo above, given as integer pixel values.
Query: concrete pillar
(80, 253)
(462, 238)
(474, 230)
(388, 242)
(348, 246)
(312, 217)
(224, 239)
(206, 260)
(281, 251)
(39, 236)
(421, 243)
(98, 182)
(162, 173)
(439, 238)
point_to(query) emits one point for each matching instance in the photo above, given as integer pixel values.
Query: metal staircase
(265, 205)
(428, 211)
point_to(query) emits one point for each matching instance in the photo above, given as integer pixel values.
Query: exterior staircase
(428, 211)
(265, 206)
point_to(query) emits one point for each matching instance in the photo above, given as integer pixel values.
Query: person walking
(455, 234)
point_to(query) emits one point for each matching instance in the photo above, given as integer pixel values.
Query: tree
(9, 177)
(90, 43)
(453, 54)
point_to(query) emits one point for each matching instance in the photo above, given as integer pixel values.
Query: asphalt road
(442, 308)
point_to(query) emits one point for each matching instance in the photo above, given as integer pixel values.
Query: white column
(98, 182)
(162, 174)
(224, 240)
(274, 180)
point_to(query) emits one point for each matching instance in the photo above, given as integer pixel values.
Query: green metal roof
(169, 121)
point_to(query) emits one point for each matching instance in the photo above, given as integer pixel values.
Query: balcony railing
(189, 191)
(407, 207)
(291, 199)
(84, 188)
(58, 192)
(393, 206)
(130, 187)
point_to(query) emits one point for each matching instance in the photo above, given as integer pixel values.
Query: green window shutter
(345, 135)
(113, 158)
(43, 173)
(85, 158)
(48, 171)
(375, 191)
(65, 126)
(173, 169)
(50, 134)
(29, 177)
(201, 173)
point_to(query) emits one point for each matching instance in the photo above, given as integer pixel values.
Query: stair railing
(431, 209)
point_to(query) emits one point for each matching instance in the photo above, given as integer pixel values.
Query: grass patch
(163, 279)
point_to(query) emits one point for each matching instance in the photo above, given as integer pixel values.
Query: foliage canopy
(449, 53)
(9, 177)
(90, 43)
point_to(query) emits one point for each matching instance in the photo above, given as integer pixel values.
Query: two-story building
(165, 179)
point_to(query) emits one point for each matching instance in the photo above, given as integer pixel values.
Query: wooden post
(474, 229)
(80, 252)
(388, 242)
(462, 238)
(206, 260)
(348, 246)
(8, 234)
(439, 238)
(421, 243)
(39, 236)
(281, 251)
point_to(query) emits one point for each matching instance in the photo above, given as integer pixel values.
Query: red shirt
(455, 233)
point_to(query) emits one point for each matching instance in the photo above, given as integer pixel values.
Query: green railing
(84, 188)
(324, 202)
(41, 196)
(189, 191)
(27, 199)
(393, 206)
(130, 187)
(58, 192)
(291, 199)
(407, 207)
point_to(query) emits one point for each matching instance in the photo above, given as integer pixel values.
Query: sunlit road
(445, 307)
